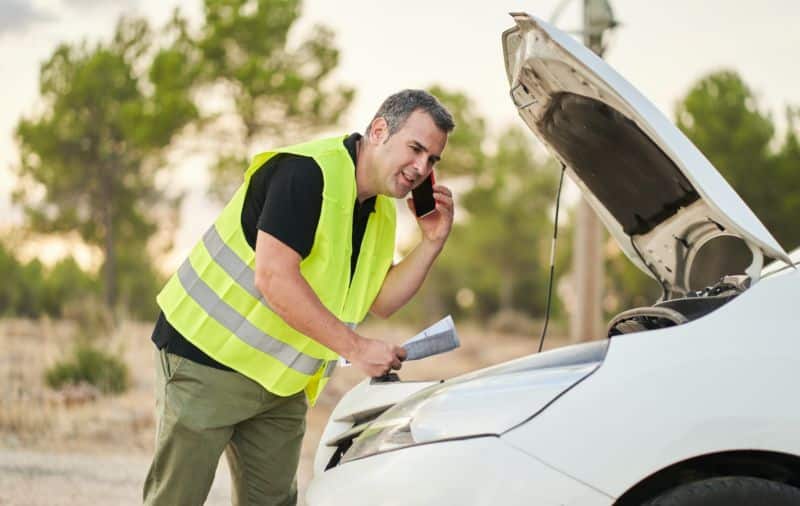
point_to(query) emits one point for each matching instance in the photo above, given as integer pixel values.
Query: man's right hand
(377, 358)
(280, 281)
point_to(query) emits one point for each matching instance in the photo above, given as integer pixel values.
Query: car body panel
(543, 65)
(449, 473)
(493, 404)
(726, 381)
(488, 401)
(778, 265)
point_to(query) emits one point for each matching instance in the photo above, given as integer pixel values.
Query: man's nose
(421, 165)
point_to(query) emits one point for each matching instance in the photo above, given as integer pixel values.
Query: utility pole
(586, 321)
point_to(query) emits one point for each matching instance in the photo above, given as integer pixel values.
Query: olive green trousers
(203, 411)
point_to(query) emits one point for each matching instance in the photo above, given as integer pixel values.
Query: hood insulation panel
(638, 184)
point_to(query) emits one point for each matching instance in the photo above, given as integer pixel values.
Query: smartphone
(424, 202)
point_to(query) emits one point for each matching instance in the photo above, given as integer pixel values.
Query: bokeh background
(125, 126)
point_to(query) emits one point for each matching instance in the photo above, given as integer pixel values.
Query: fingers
(400, 352)
(410, 204)
(444, 198)
(379, 358)
(438, 188)
(399, 355)
(443, 202)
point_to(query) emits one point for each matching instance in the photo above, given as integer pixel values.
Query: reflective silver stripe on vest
(240, 327)
(330, 367)
(230, 262)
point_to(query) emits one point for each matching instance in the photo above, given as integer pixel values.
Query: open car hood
(659, 197)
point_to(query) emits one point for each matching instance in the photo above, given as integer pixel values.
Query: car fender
(726, 381)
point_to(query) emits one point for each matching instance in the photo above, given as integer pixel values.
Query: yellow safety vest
(213, 302)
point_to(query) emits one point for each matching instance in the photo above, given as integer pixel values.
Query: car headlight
(391, 430)
(474, 405)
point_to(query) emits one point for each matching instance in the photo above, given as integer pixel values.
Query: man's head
(398, 107)
(403, 142)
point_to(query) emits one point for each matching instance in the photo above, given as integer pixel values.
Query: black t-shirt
(284, 199)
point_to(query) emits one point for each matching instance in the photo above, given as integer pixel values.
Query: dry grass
(35, 418)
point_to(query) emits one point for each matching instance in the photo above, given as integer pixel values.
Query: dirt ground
(76, 447)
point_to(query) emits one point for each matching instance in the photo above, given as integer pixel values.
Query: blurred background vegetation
(116, 117)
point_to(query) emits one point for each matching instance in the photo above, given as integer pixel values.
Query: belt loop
(164, 362)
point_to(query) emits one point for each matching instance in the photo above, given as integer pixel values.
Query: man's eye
(416, 149)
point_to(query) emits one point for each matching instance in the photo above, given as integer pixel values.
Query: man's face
(406, 158)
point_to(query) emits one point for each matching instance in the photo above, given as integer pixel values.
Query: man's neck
(363, 182)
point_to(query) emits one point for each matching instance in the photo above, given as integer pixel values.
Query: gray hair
(398, 107)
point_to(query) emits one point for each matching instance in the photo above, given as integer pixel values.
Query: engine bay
(677, 311)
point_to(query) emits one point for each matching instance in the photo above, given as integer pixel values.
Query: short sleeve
(293, 202)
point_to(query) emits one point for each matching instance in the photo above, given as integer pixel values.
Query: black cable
(552, 259)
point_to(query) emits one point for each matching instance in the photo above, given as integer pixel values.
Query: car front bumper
(469, 472)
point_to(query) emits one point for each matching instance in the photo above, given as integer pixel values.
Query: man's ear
(378, 131)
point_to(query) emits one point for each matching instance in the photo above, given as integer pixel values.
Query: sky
(661, 47)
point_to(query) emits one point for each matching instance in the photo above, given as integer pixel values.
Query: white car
(691, 401)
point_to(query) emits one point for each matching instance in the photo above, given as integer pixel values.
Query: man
(255, 319)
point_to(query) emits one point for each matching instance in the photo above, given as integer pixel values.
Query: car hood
(659, 197)
(498, 398)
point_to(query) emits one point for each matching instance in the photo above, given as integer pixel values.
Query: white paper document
(438, 338)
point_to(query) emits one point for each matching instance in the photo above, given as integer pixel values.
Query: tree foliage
(720, 114)
(32, 290)
(109, 112)
(22, 292)
(497, 256)
(90, 158)
(273, 91)
(510, 221)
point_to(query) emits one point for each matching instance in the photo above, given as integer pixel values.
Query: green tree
(787, 172)
(140, 282)
(508, 228)
(462, 161)
(497, 256)
(28, 286)
(10, 269)
(21, 293)
(465, 155)
(32, 290)
(273, 92)
(65, 282)
(90, 159)
(720, 114)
